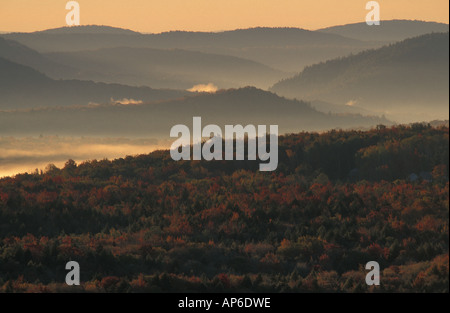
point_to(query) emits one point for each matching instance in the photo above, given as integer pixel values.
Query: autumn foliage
(146, 223)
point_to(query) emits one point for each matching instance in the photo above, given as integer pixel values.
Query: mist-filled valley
(41, 153)
(94, 92)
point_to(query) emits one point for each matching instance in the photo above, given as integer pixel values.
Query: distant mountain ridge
(167, 68)
(399, 79)
(393, 79)
(279, 48)
(88, 29)
(24, 87)
(387, 31)
(157, 68)
(18, 53)
(283, 48)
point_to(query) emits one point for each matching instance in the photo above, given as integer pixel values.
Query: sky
(152, 16)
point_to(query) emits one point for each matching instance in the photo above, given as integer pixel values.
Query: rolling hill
(286, 49)
(24, 87)
(157, 68)
(79, 38)
(88, 29)
(407, 80)
(155, 119)
(387, 31)
(18, 53)
(166, 68)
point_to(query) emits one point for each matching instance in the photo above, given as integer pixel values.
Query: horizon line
(4, 32)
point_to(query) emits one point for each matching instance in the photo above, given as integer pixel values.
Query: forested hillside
(407, 79)
(146, 223)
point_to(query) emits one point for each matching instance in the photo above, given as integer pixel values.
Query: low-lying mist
(26, 154)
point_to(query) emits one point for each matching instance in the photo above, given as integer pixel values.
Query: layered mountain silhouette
(76, 66)
(279, 48)
(387, 31)
(19, 53)
(168, 68)
(158, 68)
(24, 87)
(79, 38)
(286, 49)
(407, 80)
(155, 119)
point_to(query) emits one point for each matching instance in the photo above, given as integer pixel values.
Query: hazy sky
(211, 15)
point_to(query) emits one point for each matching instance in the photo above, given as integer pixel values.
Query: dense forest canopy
(147, 223)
